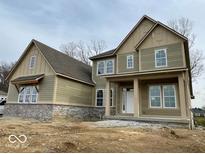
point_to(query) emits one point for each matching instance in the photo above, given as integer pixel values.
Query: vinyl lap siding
(72, 92)
(174, 57)
(144, 100)
(122, 62)
(46, 89)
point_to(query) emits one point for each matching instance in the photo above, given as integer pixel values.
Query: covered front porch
(133, 100)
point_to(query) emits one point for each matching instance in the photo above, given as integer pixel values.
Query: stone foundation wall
(49, 111)
(40, 112)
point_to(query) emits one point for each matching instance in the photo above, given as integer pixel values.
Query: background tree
(82, 51)
(4, 70)
(185, 27)
(203, 107)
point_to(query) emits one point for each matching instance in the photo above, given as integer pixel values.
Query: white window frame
(30, 61)
(30, 96)
(174, 97)
(105, 67)
(97, 98)
(150, 104)
(112, 66)
(165, 50)
(97, 68)
(128, 56)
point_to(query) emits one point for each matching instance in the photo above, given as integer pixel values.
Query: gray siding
(174, 57)
(122, 62)
(72, 92)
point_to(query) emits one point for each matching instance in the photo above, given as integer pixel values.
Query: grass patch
(200, 121)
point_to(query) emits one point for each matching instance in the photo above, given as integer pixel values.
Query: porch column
(182, 95)
(136, 97)
(107, 98)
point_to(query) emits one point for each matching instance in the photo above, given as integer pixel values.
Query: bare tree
(82, 51)
(4, 70)
(185, 27)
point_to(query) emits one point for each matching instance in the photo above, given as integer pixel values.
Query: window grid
(155, 96)
(28, 94)
(105, 67)
(130, 61)
(161, 58)
(165, 96)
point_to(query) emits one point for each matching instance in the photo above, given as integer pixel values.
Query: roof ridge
(60, 52)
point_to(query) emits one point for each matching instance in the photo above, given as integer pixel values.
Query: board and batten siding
(174, 57)
(41, 67)
(73, 93)
(46, 85)
(122, 62)
(136, 36)
(45, 95)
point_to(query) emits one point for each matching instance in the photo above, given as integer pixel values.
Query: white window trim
(150, 104)
(165, 50)
(34, 62)
(105, 67)
(132, 61)
(174, 97)
(25, 96)
(96, 97)
(97, 68)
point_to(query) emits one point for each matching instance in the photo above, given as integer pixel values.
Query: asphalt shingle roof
(66, 65)
(27, 78)
(104, 54)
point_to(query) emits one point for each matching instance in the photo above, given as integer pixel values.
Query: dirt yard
(64, 136)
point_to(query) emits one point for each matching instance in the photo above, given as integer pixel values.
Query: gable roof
(62, 64)
(113, 51)
(157, 23)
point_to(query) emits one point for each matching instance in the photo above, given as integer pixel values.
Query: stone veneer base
(47, 112)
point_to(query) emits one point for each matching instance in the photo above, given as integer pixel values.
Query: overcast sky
(59, 21)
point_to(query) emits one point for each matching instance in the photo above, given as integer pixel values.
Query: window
(105, 67)
(130, 61)
(155, 96)
(28, 94)
(169, 95)
(100, 67)
(111, 97)
(99, 97)
(161, 58)
(109, 64)
(32, 62)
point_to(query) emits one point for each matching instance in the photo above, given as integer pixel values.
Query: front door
(130, 107)
(128, 101)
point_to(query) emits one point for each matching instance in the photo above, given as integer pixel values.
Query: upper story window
(130, 61)
(100, 67)
(105, 67)
(161, 58)
(32, 62)
(110, 66)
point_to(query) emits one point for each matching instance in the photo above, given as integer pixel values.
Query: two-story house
(147, 77)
